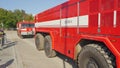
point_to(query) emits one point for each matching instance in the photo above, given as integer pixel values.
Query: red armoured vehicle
(87, 31)
(25, 29)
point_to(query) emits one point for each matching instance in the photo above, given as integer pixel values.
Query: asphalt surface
(21, 53)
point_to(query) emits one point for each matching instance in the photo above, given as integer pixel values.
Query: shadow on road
(7, 64)
(28, 37)
(68, 60)
(5, 54)
(7, 45)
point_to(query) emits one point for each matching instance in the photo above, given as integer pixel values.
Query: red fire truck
(25, 29)
(87, 31)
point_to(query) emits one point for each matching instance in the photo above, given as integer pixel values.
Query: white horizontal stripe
(48, 23)
(83, 20)
(69, 22)
(66, 22)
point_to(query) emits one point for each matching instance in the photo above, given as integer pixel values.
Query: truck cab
(25, 29)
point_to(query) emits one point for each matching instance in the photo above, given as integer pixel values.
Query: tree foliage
(9, 18)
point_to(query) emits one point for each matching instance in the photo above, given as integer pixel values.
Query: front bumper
(27, 33)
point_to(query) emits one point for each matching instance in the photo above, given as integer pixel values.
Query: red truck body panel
(75, 20)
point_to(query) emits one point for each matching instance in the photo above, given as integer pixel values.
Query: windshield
(27, 25)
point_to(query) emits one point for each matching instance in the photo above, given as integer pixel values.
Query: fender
(107, 42)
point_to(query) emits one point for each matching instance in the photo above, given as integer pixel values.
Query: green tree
(10, 18)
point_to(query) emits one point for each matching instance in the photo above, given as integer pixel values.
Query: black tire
(39, 41)
(48, 47)
(94, 56)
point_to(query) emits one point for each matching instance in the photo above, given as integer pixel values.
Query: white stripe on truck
(66, 22)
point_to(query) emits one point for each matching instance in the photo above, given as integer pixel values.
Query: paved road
(21, 53)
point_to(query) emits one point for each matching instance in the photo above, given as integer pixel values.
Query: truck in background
(25, 29)
(87, 31)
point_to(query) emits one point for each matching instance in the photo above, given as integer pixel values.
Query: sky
(30, 6)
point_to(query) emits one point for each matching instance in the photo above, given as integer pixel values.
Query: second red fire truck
(25, 29)
(87, 31)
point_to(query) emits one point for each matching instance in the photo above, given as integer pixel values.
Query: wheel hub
(47, 47)
(92, 64)
(37, 41)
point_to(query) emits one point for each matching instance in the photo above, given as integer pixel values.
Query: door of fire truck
(69, 27)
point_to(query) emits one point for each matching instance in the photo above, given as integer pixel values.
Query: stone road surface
(21, 53)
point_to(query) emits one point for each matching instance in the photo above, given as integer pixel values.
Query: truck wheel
(94, 56)
(48, 47)
(39, 42)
